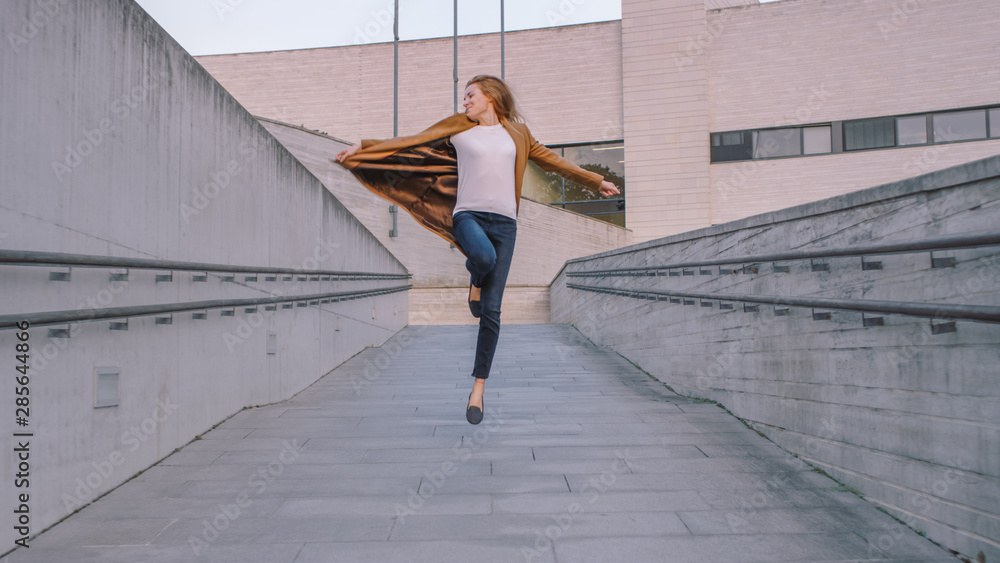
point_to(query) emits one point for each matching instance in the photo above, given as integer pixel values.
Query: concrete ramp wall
(115, 142)
(902, 409)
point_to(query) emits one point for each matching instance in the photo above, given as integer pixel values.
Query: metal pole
(394, 231)
(395, 71)
(937, 311)
(455, 42)
(503, 73)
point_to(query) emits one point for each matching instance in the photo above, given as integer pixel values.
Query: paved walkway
(581, 458)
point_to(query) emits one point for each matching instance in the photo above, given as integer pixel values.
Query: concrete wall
(546, 238)
(116, 142)
(906, 417)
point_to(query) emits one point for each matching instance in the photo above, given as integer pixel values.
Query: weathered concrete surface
(115, 142)
(581, 458)
(903, 415)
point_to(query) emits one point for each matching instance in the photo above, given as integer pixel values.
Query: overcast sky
(209, 27)
(206, 27)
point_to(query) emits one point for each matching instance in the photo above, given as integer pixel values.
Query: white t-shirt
(486, 155)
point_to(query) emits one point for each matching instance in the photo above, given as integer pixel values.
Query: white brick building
(666, 77)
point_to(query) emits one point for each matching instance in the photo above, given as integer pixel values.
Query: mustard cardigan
(420, 172)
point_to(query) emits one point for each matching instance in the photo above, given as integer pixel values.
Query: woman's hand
(606, 189)
(349, 152)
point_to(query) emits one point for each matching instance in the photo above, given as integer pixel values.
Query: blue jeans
(488, 241)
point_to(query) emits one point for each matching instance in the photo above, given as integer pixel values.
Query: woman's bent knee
(483, 261)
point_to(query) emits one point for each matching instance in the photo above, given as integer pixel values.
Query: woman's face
(476, 103)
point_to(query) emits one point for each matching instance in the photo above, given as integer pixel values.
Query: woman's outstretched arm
(348, 152)
(551, 162)
(607, 188)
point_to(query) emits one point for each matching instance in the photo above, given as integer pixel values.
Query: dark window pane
(728, 147)
(599, 206)
(606, 159)
(960, 126)
(869, 134)
(732, 138)
(911, 130)
(777, 142)
(995, 123)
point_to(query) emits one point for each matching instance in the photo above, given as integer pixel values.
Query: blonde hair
(500, 94)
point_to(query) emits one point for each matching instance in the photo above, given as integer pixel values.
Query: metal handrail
(87, 315)
(33, 258)
(965, 240)
(943, 311)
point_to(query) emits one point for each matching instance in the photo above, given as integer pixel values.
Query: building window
(817, 140)
(869, 134)
(606, 159)
(959, 126)
(857, 135)
(727, 147)
(911, 130)
(772, 143)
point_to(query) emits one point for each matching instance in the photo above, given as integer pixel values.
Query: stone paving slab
(521, 528)
(581, 457)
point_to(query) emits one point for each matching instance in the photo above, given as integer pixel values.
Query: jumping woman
(461, 178)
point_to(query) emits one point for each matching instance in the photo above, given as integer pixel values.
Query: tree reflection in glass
(606, 159)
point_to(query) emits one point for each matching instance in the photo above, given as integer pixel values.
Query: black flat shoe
(474, 414)
(474, 306)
